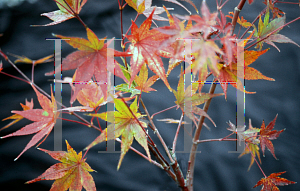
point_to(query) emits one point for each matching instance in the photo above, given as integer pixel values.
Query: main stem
(190, 173)
(237, 11)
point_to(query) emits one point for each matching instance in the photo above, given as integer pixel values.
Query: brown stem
(174, 163)
(163, 163)
(192, 158)
(179, 175)
(237, 11)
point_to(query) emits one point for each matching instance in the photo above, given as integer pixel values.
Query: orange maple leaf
(72, 173)
(232, 73)
(24, 59)
(28, 105)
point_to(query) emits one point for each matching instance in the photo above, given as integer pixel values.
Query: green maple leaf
(190, 96)
(124, 124)
(265, 30)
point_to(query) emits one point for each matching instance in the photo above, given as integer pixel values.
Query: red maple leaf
(266, 134)
(90, 60)
(144, 47)
(271, 182)
(72, 173)
(44, 120)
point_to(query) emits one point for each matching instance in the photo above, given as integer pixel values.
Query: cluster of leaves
(214, 51)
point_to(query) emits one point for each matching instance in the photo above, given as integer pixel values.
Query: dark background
(216, 169)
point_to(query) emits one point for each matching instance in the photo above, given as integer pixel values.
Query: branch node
(237, 9)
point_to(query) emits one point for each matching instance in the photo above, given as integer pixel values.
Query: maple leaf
(271, 182)
(275, 11)
(72, 173)
(90, 60)
(251, 141)
(188, 99)
(91, 95)
(28, 105)
(231, 73)
(205, 57)
(241, 21)
(144, 49)
(67, 10)
(24, 59)
(123, 123)
(205, 23)
(143, 83)
(266, 135)
(265, 30)
(44, 120)
(144, 7)
(250, 2)
(176, 30)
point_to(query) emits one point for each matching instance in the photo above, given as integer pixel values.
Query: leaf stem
(256, 162)
(192, 158)
(163, 111)
(14, 77)
(76, 15)
(70, 120)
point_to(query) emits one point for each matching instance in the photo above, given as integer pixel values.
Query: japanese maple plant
(202, 43)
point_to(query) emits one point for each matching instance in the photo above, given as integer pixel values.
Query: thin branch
(211, 140)
(192, 158)
(157, 133)
(163, 111)
(46, 94)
